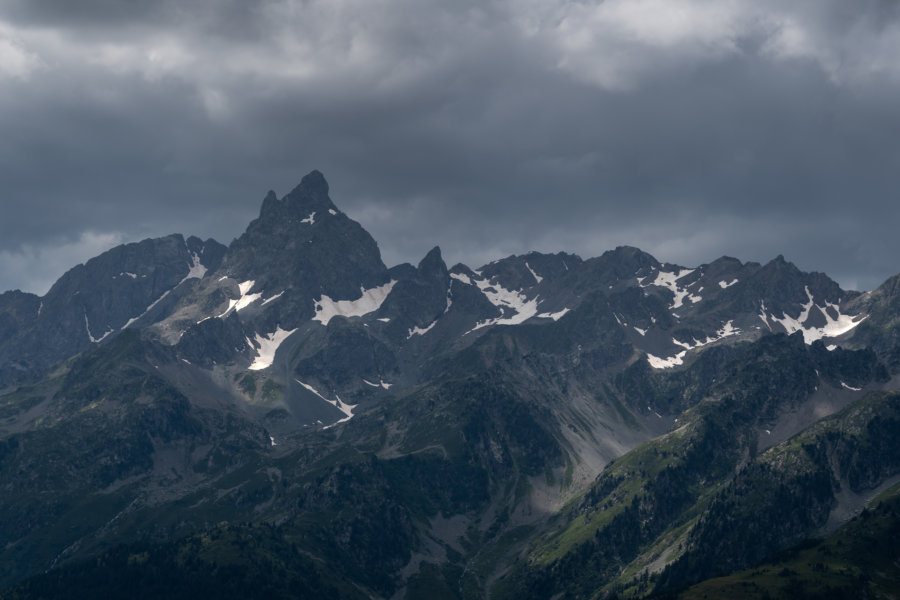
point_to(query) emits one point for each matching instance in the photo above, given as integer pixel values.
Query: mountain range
(286, 416)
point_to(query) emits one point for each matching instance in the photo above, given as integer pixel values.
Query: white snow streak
(87, 328)
(724, 285)
(461, 277)
(555, 316)
(381, 384)
(419, 331)
(641, 331)
(275, 297)
(368, 302)
(148, 309)
(331, 211)
(347, 409)
(196, 271)
(728, 329)
(537, 277)
(311, 219)
(850, 387)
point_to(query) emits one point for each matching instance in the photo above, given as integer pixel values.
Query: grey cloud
(485, 131)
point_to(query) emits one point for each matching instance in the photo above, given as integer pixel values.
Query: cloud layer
(689, 128)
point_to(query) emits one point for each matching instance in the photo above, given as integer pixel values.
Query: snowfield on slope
(266, 346)
(834, 326)
(368, 302)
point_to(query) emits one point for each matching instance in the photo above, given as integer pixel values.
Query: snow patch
(331, 211)
(764, 315)
(666, 363)
(87, 327)
(347, 409)
(381, 383)
(723, 284)
(461, 277)
(850, 387)
(833, 326)
(126, 273)
(669, 281)
(197, 270)
(275, 297)
(537, 277)
(245, 299)
(148, 309)
(419, 331)
(641, 331)
(311, 219)
(368, 302)
(265, 347)
(384, 320)
(727, 330)
(555, 316)
(505, 300)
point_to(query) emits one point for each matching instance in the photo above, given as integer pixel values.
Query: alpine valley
(287, 417)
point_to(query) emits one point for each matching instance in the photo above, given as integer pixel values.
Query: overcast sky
(689, 128)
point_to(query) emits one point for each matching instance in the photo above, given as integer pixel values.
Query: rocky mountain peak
(433, 265)
(313, 183)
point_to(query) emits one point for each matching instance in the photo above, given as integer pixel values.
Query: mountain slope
(540, 425)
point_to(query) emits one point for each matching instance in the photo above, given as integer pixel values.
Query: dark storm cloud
(690, 129)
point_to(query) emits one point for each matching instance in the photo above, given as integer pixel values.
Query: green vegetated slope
(859, 560)
(789, 492)
(659, 503)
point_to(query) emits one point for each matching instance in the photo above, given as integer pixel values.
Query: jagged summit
(312, 184)
(302, 242)
(433, 263)
(308, 199)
